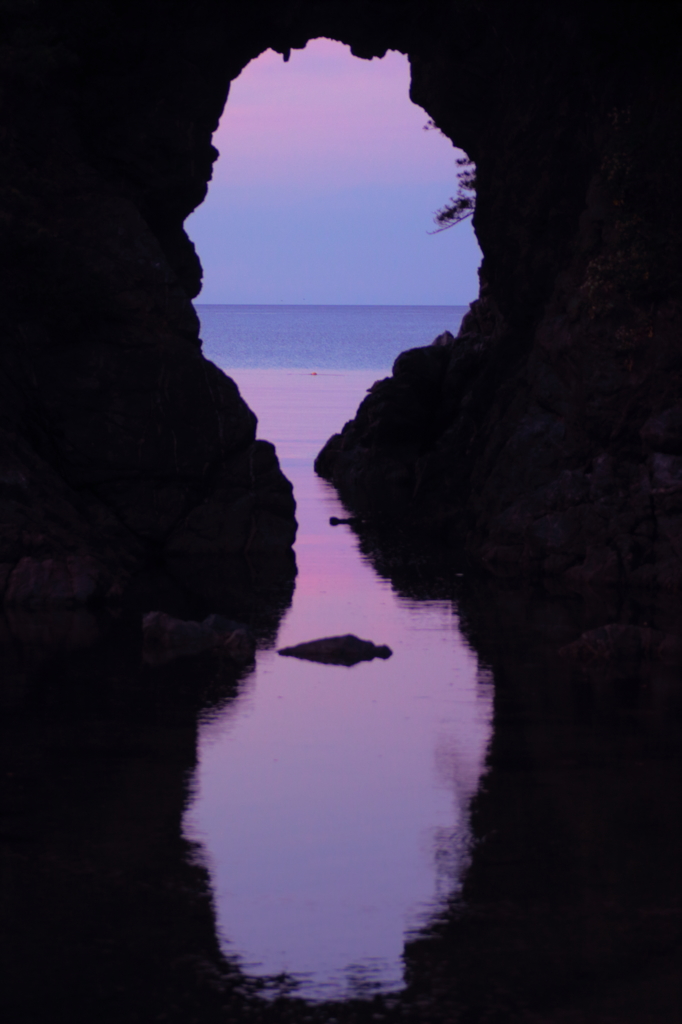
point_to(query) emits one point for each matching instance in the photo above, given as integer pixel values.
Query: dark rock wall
(548, 438)
(552, 440)
(119, 439)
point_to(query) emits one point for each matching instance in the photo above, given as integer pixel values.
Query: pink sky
(326, 116)
(326, 188)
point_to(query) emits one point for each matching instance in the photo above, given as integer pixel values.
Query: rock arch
(555, 446)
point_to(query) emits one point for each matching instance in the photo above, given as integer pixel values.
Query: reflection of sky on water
(332, 802)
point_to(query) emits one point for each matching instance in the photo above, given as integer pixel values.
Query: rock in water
(337, 650)
(166, 638)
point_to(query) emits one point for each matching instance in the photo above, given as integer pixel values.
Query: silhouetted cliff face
(549, 435)
(552, 437)
(121, 443)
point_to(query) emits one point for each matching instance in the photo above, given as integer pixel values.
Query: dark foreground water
(476, 830)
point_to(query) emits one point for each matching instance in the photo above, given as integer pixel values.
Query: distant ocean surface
(320, 337)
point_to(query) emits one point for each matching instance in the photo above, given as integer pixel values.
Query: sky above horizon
(326, 187)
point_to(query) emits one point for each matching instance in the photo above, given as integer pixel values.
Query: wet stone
(337, 650)
(166, 638)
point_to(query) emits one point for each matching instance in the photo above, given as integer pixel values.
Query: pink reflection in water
(330, 798)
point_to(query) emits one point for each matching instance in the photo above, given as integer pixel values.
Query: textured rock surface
(629, 644)
(547, 439)
(121, 443)
(166, 638)
(553, 440)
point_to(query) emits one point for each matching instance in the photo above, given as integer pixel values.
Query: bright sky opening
(326, 187)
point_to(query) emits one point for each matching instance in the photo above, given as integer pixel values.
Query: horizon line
(376, 305)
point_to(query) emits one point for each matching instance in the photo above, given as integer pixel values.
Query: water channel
(478, 829)
(332, 802)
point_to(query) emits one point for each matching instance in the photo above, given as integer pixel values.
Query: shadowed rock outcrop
(167, 638)
(121, 445)
(546, 438)
(551, 440)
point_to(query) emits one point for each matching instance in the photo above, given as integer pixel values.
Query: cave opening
(319, 270)
(316, 236)
(325, 188)
(561, 461)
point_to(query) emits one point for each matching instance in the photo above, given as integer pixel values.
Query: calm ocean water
(333, 803)
(320, 337)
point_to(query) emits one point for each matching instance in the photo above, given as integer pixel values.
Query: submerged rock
(166, 638)
(337, 650)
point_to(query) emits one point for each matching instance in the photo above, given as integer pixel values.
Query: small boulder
(166, 638)
(446, 338)
(620, 643)
(337, 650)
(663, 432)
(53, 582)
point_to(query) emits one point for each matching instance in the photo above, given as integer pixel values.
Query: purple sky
(326, 188)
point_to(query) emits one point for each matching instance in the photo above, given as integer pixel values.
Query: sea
(332, 803)
(320, 337)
